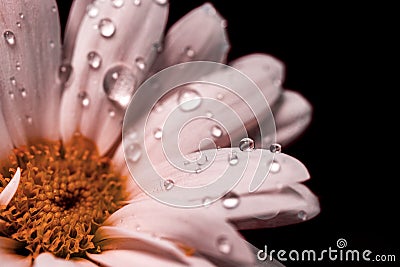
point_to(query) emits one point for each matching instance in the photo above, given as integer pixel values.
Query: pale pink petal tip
(9, 191)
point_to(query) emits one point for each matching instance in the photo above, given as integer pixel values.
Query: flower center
(65, 193)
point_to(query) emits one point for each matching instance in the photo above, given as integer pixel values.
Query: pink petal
(292, 116)
(123, 38)
(9, 191)
(185, 226)
(8, 257)
(31, 55)
(47, 259)
(184, 42)
(128, 258)
(5, 140)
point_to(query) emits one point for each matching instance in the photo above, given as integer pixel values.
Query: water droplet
(161, 2)
(53, 9)
(117, 3)
(106, 28)
(92, 11)
(275, 167)
(94, 60)
(209, 114)
(21, 15)
(9, 37)
(220, 96)
(302, 215)
(275, 148)
(111, 113)
(18, 24)
(189, 52)
(157, 133)
(13, 81)
(216, 131)
(230, 200)
(202, 159)
(137, 2)
(84, 98)
(23, 92)
(119, 84)
(18, 65)
(133, 152)
(52, 44)
(198, 170)
(11, 94)
(140, 63)
(138, 228)
(168, 184)
(64, 72)
(206, 202)
(223, 245)
(189, 99)
(158, 47)
(246, 144)
(29, 119)
(233, 159)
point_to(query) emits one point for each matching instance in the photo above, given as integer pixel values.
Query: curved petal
(185, 226)
(48, 259)
(292, 116)
(8, 256)
(113, 51)
(9, 191)
(182, 44)
(128, 257)
(31, 55)
(5, 140)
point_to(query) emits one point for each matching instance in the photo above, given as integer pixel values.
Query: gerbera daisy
(66, 196)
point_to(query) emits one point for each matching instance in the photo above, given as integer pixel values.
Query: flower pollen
(65, 193)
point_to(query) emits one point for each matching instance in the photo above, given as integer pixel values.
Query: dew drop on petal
(223, 245)
(233, 159)
(84, 99)
(29, 119)
(92, 11)
(220, 96)
(117, 3)
(53, 9)
(119, 84)
(9, 37)
(18, 65)
(137, 2)
(246, 144)
(13, 81)
(189, 100)
(140, 63)
(161, 2)
(107, 28)
(216, 131)
(230, 201)
(202, 159)
(158, 47)
(157, 133)
(21, 15)
(64, 72)
(52, 44)
(206, 202)
(23, 92)
(94, 60)
(189, 52)
(209, 114)
(111, 113)
(302, 215)
(168, 184)
(275, 148)
(133, 152)
(18, 24)
(275, 167)
(11, 95)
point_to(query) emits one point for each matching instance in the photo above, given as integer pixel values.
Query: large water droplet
(119, 84)
(137, 2)
(233, 159)
(275, 148)
(9, 37)
(84, 99)
(161, 2)
(246, 144)
(94, 60)
(92, 11)
(216, 131)
(140, 63)
(133, 152)
(23, 92)
(302, 215)
(107, 28)
(230, 200)
(168, 184)
(275, 167)
(117, 3)
(223, 245)
(189, 52)
(64, 72)
(189, 99)
(157, 133)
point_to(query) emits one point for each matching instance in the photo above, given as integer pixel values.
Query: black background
(338, 57)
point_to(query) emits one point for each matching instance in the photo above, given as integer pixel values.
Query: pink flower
(64, 200)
